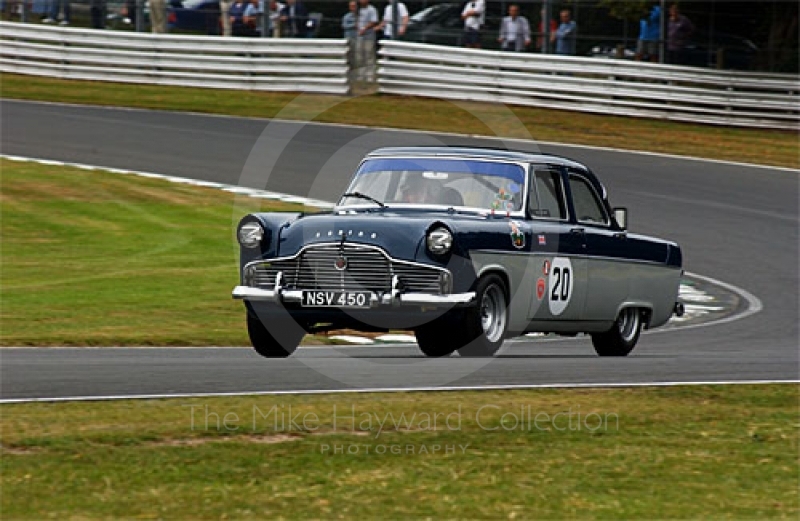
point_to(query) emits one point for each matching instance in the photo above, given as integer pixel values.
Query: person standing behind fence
(253, 17)
(55, 8)
(649, 35)
(350, 22)
(679, 31)
(553, 28)
(365, 41)
(387, 24)
(565, 35)
(158, 16)
(97, 13)
(474, 14)
(294, 18)
(515, 31)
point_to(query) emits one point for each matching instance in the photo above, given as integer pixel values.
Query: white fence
(312, 65)
(603, 86)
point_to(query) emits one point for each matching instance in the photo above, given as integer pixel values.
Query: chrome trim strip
(578, 256)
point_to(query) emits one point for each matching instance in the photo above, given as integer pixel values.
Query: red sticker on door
(546, 267)
(540, 287)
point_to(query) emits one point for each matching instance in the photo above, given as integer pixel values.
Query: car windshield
(451, 183)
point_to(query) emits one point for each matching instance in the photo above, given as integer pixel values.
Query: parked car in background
(198, 16)
(463, 246)
(737, 53)
(441, 24)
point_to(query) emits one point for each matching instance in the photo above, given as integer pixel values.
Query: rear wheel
(273, 340)
(623, 335)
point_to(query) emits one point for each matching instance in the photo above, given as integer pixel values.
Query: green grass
(94, 258)
(669, 453)
(781, 148)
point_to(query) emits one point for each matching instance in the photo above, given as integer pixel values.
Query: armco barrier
(277, 64)
(602, 86)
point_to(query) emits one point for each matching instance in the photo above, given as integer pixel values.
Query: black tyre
(484, 326)
(623, 335)
(273, 340)
(435, 339)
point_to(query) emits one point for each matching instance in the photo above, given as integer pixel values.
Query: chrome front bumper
(391, 298)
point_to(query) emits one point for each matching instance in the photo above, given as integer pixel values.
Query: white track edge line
(238, 190)
(431, 132)
(610, 385)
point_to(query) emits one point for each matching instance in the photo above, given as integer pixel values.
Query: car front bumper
(393, 298)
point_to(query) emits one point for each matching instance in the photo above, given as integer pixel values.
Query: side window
(547, 195)
(588, 207)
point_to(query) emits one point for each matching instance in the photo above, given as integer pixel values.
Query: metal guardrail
(301, 65)
(602, 86)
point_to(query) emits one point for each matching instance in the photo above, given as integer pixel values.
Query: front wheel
(485, 326)
(273, 340)
(623, 335)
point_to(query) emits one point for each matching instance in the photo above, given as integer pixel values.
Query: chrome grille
(367, 269)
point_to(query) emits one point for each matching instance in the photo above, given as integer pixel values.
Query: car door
(559, 264)
(609, 273)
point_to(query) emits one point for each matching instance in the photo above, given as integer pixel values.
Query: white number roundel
(560, 284)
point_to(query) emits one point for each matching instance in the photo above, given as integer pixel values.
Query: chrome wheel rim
(628, 323)
(493, 313)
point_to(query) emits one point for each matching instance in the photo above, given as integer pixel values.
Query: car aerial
(463, 246)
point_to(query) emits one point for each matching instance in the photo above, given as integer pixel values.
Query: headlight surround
(251, 234)
(439, 241)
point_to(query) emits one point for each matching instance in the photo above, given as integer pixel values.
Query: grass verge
(93, 258)
(684, 452)
(778, 148)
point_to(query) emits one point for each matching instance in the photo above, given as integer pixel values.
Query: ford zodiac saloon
(463, 246)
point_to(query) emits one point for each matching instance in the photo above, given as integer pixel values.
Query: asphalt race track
(736, 223)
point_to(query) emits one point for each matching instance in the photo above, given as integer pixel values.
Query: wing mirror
(621, 216)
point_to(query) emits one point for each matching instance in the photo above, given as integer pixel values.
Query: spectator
(679, 30)
(564, 37)
(225, 16)
(275, 9)
(365, 41)
(649, 35)
(56, 7)
(236, 17)
(294, 20)
(350, 21)
(253, 18)
(515, 31)
(97, 12)
(158, 16)
(553, 28)
(387, 24)
(474, 14)
(41, 8)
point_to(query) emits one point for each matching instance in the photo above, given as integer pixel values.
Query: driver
(418, 190)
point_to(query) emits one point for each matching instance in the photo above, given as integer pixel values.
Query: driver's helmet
(419, 190)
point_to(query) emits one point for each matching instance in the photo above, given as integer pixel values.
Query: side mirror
(621, 216)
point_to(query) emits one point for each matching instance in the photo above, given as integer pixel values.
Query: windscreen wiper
(359, 195)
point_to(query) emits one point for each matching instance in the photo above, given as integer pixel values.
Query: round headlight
(250, 234)
(440, 240)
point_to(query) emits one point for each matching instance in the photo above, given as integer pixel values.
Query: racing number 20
(561, 286)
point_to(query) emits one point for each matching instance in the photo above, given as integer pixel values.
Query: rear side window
(588, 207)
(547, 196)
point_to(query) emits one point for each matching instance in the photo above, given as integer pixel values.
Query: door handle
(578, 231)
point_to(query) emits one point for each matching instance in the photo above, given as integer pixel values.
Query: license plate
(336, 299)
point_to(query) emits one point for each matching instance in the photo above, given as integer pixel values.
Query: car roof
(478, 152)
